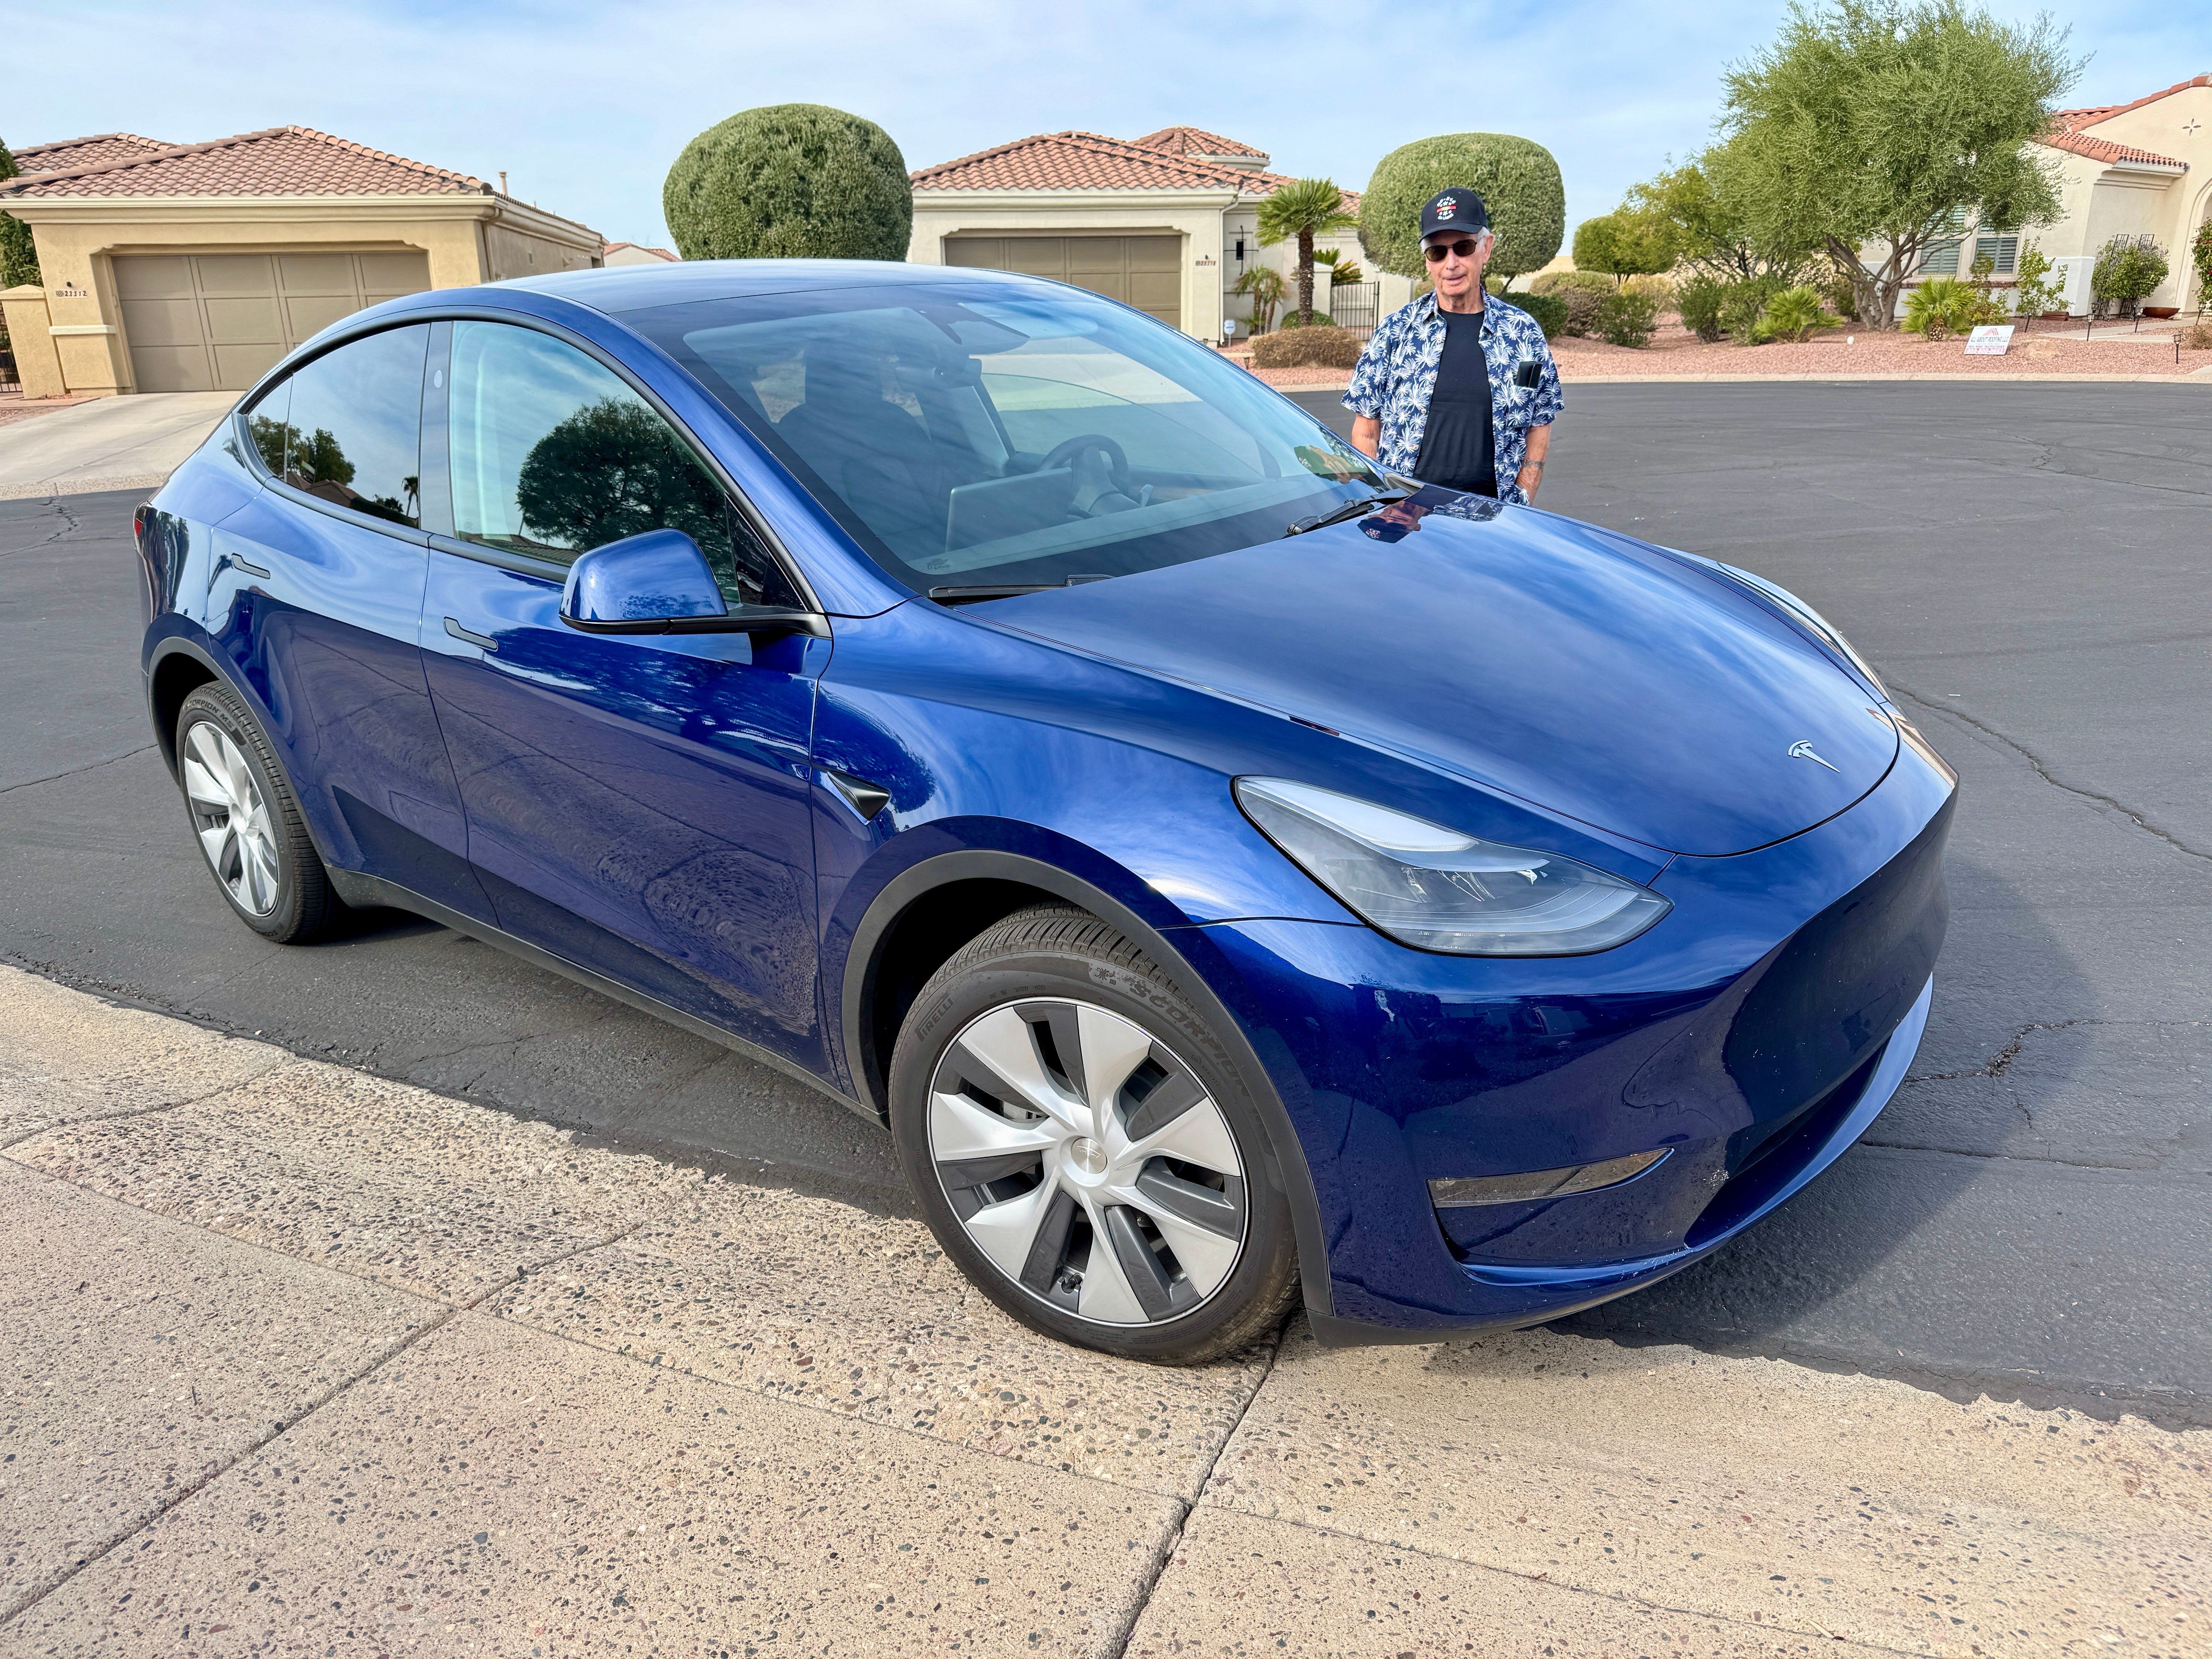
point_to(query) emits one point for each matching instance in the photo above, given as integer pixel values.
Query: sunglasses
(1434, 253)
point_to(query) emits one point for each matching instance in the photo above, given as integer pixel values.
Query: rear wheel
(1083, 1146)
(247, 821)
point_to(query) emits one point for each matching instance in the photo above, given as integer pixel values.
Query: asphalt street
(2026, 565)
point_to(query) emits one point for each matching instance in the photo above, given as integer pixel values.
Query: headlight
(1812, 619)
(1437, 890)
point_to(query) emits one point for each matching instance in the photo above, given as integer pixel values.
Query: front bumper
(1753, 1034)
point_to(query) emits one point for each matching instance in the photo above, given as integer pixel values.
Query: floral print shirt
(1397, 373)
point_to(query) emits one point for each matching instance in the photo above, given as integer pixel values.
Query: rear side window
(348, 427)
(553, 455)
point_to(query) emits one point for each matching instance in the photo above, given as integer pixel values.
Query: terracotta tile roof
(2104, 150)
(1090, 160)
(1196, 141)
(278, 161)
(96, 151)
(657, 253)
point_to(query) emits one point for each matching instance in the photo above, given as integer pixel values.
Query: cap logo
(1446, 208)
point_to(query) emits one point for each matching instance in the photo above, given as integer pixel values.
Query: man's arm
(1366, 435)
(1532, 463)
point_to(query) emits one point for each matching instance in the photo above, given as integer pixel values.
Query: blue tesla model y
(1233, 877)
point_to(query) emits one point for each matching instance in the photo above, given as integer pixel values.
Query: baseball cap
(1454, 209)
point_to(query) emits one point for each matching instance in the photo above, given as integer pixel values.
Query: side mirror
(658, 583)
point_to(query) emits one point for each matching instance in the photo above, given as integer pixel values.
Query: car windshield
(977, 436)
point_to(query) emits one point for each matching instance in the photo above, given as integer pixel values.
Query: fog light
(1457, 1192)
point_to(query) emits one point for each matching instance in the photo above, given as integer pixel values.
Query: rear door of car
(638, 804)
(315, 593)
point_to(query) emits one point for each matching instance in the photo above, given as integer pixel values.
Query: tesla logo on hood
(1803, 751)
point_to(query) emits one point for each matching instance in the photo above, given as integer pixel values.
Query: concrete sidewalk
(300, 1360)
(111, 443)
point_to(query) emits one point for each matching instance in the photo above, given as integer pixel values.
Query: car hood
(1579, 671)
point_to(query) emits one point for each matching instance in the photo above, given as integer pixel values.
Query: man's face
(1456, 273)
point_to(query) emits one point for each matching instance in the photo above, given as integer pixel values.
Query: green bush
(1517, 180)
(1699, 301)
(2129, 270)
(2034, 294)
(1795, 312)
(1944, 306)
(1322, 319)
(1743, 306)
(1548, 309)
(1627, 319)
(1319, 346)
(1593, 282)
(1661, 289)
(790, 181)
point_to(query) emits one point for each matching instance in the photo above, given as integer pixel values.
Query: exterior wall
(37, 364)
(77, 238)
(1198, 218)
(521, 250)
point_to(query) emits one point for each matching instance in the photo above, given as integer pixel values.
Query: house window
(1240, 250)
(1999, 248)
(1940, 257)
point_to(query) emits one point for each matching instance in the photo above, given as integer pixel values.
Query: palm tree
(1305, 209)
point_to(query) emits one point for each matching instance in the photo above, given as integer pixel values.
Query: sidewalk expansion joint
(139, 1111)
(437, 1315)
(1117, 1641)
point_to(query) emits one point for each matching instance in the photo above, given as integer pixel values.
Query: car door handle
(478, 640)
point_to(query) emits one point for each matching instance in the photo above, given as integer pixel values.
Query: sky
(584, 106)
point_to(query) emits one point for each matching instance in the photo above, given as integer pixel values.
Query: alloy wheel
(1087, 1162)
(231, 818)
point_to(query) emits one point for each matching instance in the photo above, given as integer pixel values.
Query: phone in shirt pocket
(1528, 374)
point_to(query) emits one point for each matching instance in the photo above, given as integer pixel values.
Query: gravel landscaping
(2047, 349)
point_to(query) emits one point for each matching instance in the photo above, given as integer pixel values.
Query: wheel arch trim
(1285, 1155)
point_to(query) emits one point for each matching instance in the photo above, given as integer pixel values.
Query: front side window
(553, 454)
(991, 434)
(348, 427)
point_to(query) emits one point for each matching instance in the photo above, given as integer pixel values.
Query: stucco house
(1167, 222)
(2143, 168)
(194, 267)
(636, 253)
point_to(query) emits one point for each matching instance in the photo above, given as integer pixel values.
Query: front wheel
(247, 821)
(1082, 1145)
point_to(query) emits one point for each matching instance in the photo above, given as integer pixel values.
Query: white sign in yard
(1990, 340)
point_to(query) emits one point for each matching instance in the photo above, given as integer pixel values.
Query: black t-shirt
(1458, 449)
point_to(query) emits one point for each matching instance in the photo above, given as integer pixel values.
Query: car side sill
(367, 891)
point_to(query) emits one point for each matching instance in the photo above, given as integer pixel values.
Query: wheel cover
(1087, 1162)
(231, 818)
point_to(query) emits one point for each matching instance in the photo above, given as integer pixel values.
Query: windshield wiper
(1007, 590)
(1350, 510)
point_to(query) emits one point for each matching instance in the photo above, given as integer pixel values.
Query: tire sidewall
(216, 705)
(958, 994)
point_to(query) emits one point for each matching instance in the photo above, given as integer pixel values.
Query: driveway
(111, 443)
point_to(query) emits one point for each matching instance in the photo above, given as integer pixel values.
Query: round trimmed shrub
(790, 181)
(1322, 346)
(1517, 178)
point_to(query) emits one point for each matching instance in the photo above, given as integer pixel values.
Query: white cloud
(585, 106)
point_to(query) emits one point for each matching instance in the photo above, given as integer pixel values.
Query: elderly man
(1457, 389)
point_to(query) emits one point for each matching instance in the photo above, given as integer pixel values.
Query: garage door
(1144, 271)
(213, 322)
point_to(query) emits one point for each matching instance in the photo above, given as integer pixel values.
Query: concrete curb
(81, 486)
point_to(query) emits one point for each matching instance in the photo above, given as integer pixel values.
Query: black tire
(1050, 957)
(299, 903)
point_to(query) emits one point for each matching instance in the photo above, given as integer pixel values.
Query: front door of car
(316, 594)
(638, 804)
